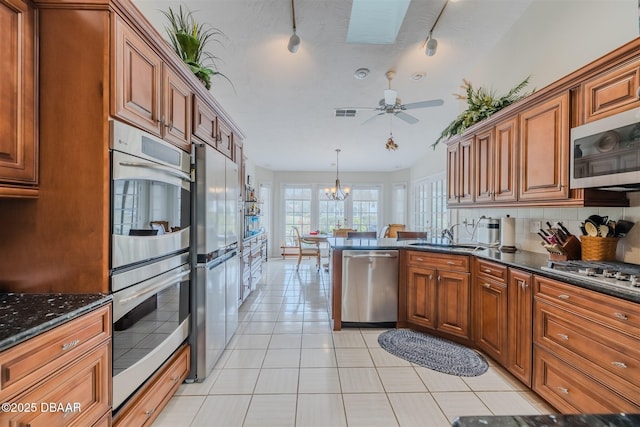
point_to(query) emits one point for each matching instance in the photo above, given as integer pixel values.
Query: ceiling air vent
(345, 113)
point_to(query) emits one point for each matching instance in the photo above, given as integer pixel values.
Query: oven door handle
(155, 288)
(165, 169)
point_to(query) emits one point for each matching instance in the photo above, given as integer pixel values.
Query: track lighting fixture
(294, 40)
(431, 43)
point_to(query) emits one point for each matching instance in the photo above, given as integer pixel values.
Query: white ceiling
(284, 103)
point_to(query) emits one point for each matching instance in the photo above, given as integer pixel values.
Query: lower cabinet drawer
(76, 396)
(147, 403)
(572, 391)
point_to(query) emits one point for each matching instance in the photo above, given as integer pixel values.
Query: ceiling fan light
(390, 96)
(432, 46)
(294, 43)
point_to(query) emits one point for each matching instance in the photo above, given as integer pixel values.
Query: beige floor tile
(371, 340)
(316, 327)
(291, 317)
(353, 357)
(320, 410)
(507, 402)
(265, 316)
(286, 341)
(318, 358)
(319, 380)
(437, 381)
(316, 316)
(282, 358)
(457, 404)
(235, 381)
(277, 381)
(199, 388)
(259, 327)
(317, 341)
(417, 410)
(348, 339)
(360, 380)
(245, 359)
(287, 327)
(180, 410)
(277, 410)
(382, 357)
(492, 380)
(369, 410)
(401, 380)
(251, 341)
(228, 411)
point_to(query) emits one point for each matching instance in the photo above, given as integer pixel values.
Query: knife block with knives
(560, 243)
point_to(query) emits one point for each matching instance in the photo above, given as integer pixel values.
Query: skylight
(376, 21)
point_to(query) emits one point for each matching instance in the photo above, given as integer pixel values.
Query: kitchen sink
(456, 246)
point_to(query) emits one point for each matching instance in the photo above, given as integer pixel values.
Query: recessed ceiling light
(361, 73)
(417, 76)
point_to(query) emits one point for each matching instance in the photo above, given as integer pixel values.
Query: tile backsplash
(527, 220)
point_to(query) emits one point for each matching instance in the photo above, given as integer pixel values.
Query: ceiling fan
(391, 104)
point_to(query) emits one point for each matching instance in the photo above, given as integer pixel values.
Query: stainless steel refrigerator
(215, 295)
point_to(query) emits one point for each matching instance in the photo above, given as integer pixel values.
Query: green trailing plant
(190, 40)
(482, 104)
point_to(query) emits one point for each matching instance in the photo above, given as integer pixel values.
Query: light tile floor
(285, 367)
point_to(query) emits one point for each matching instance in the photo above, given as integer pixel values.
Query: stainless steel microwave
(606, 153)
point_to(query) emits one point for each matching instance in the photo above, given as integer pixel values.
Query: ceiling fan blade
(423, 104)
(372, 118)
(406, 117)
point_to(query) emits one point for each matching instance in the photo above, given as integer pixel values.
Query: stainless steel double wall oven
(150, 266)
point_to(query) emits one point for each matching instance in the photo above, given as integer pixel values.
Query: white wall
(551, 39)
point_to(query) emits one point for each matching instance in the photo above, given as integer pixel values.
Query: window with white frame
(297, 208)
(399, 204)
(430, 204)
(331, 213)
(364, 208)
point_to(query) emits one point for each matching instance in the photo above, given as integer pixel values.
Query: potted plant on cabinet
(190, 40)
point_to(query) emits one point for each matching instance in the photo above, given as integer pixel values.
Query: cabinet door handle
(487, 285)
(638, 92)
(563, 296)
(149, 412)
(620, 365)
(69, 345)
(621, 316)
(522, 284)
(439, 277)
(563, 390)
(564, 337)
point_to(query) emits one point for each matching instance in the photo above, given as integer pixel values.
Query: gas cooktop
(618, 275)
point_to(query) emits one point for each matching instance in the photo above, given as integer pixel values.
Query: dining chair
(307, 248)
(411, 235)
(392, 230)
(342, 232)
(361, 235)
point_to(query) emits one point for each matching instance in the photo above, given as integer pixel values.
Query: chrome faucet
(447, 233)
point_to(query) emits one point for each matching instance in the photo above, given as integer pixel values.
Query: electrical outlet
(535, 226)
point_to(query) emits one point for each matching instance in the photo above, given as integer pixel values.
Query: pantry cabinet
(18, 100)
(438, 292)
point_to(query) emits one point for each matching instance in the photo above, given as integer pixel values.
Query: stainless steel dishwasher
(369, 287)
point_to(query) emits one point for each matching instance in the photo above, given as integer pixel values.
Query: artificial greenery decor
(482, 104)
(190, 39)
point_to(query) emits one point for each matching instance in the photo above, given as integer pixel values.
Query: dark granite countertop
(23, 316)
(578, 420)
(524, 260)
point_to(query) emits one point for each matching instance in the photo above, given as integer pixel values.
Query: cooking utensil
(603, 231)
(623, 227)
(597, 219)
(591, 228)
(564, 229)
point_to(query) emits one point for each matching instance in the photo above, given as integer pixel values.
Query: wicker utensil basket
(599, 248)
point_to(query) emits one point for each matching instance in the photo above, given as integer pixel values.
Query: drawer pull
(621, 316)
(563, 390)
(175, 379)
(451, 263)
(563, 296)
(620, 365)
(486, 285)
(564, 337)
(420, 259)
(487, 270)
(69, 345)
(149, 412)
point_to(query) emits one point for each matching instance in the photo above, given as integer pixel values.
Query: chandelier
(337, 192)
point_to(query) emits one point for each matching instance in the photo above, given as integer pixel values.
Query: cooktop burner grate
(614, 275)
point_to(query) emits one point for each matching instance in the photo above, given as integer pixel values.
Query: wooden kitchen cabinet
(586, 349)
(484, 165)
(544, 151)
(613, 91)
(205, 121)
(18, 100)
(147, 92)
(460, 178)
(520, 325)
(505, 162)
(490, 309)
(438, 292)
(68, 365)
(224, 143)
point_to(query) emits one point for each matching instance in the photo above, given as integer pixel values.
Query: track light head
(432, 46)
(294, 43)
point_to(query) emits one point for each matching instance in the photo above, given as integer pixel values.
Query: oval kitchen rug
(434, 353)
